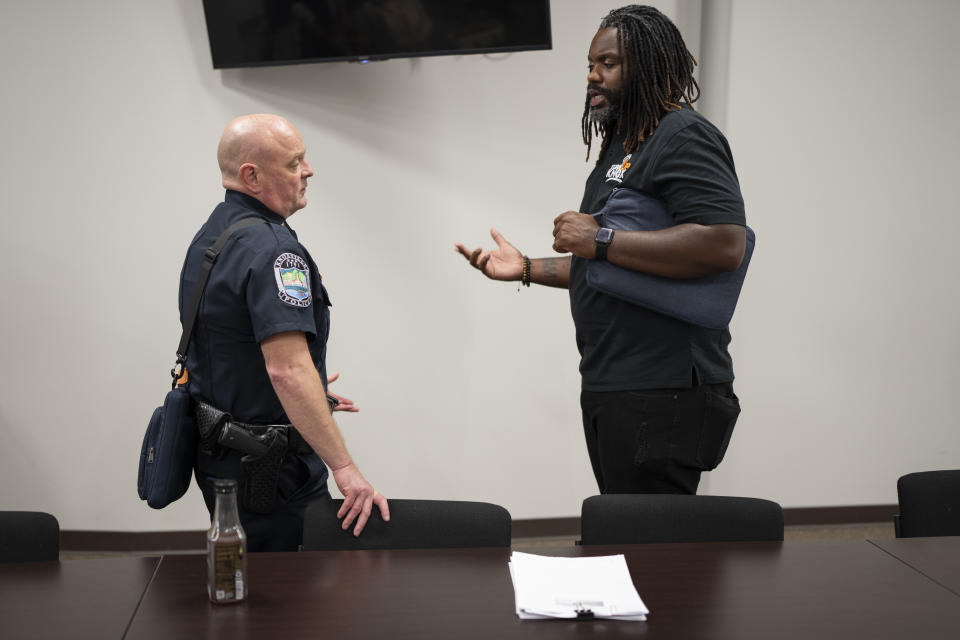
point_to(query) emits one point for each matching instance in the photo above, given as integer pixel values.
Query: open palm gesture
(503, 263)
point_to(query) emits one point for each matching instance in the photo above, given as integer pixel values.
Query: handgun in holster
(261, 463)
(234, 437)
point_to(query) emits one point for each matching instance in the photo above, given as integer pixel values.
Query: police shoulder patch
(293, 279)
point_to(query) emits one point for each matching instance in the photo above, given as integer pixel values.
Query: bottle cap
(224, 485)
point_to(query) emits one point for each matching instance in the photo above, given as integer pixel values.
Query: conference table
(936, 558)
(93, 598)
(795, 589)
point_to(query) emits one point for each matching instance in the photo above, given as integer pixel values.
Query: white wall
(844, 340)
(843, 126)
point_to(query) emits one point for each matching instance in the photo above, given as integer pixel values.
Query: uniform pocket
(719, 417)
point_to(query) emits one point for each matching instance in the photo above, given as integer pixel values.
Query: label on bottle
(227, 571)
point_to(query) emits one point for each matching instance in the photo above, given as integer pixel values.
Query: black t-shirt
(263, 283)
(687, 164)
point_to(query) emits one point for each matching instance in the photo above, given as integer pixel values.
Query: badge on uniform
(293, 279)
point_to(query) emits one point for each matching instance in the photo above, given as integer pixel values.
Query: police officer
(259, 345)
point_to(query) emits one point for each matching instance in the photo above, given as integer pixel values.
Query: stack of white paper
(549, 587)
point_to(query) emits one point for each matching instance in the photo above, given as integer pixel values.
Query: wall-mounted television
(250, 33)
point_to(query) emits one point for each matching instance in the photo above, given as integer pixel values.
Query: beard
(608, 113)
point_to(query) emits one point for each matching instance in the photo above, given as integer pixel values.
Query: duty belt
(219, 428)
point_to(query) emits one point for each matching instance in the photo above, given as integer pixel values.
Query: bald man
(257, 355)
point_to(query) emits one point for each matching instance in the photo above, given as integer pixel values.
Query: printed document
(597, 587)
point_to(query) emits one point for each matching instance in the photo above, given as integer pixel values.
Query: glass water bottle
(226, 548)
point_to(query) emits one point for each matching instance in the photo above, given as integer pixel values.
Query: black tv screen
(249, 33)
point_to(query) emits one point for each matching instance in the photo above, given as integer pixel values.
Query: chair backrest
(29, 536)
(929, 504)
(650, 518)
(414, 524)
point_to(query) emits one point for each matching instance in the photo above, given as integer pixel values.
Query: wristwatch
(603, 239)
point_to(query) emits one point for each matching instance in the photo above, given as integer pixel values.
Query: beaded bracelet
(525, 274)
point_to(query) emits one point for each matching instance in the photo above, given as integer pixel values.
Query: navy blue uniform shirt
(263, 283)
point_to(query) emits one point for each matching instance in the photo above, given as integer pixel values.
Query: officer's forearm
(297, 384)
(306, 407)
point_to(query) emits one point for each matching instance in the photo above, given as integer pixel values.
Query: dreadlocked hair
(657, 74)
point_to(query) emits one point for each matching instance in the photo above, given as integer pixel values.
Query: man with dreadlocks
(657, 393)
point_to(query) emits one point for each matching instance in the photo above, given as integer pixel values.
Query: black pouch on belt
(263, 472)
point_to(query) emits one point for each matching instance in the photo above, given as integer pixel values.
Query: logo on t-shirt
(293, 279)
(616, 171)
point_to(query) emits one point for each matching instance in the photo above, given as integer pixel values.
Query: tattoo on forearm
(551, 272)
(552, 267)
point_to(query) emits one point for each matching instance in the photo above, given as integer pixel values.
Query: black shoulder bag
(170, 443)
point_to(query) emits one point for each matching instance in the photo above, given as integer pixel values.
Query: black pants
(303, 479)
(657, 440)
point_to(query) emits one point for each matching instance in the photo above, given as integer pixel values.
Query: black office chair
(649, 518)
(929, 504)
(414, 524)
(29, 536)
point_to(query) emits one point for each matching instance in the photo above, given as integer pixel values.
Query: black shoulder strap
(209, 258)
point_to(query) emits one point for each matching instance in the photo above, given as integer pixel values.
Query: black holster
(263, 448)
(210, 421)
(262, 472)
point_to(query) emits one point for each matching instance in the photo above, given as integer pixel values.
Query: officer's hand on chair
(359, 496)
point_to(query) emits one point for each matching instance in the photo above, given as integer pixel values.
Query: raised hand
(503, 263)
